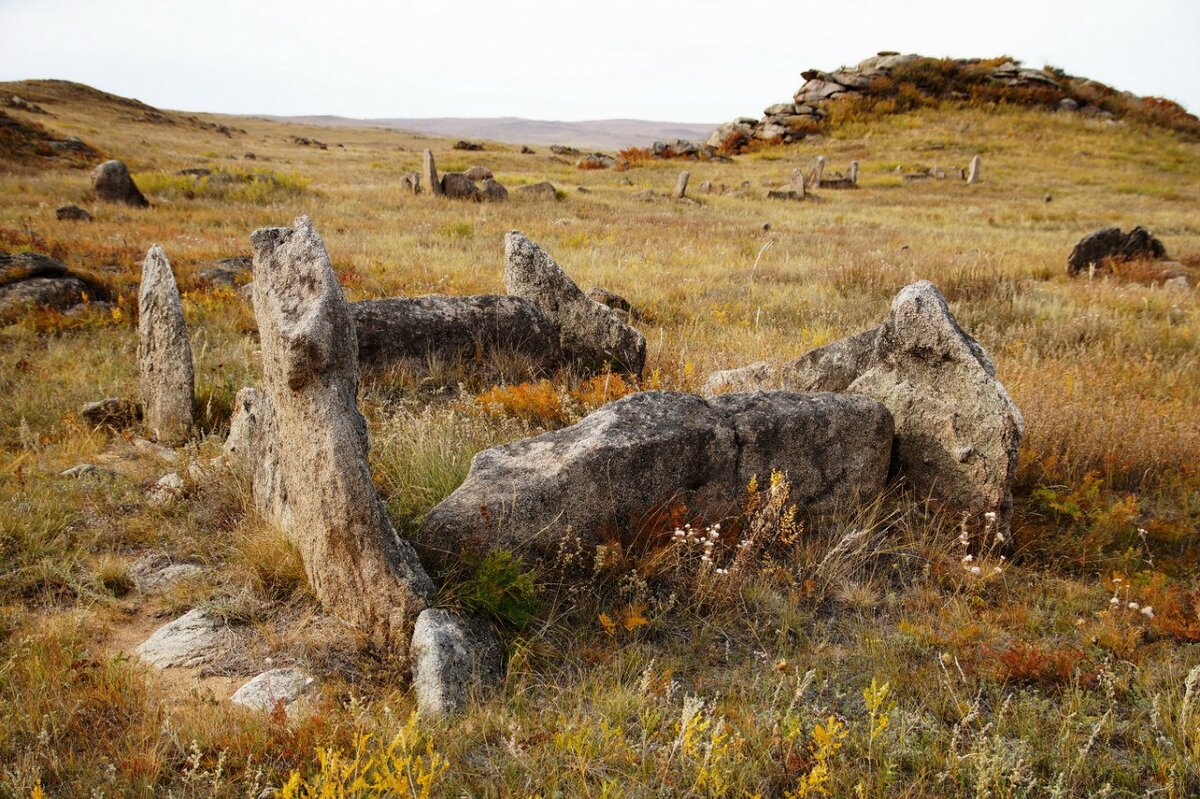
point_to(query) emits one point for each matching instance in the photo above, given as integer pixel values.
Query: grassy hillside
(886, 668)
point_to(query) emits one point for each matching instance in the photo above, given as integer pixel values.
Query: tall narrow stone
(313, 475)
(798, 184)
(681, 185)
(853, 173)
(431, 175)
(818, 172)
(973, 171)
(165, 373)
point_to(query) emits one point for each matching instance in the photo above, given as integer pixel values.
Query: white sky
(698, 61)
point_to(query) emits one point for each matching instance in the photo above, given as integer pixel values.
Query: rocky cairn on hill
(892, 82)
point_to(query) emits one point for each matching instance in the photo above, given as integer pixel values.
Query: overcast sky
(687, 61)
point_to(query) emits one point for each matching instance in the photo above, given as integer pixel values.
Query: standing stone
(957, 430)
(113, 184)
(165, 372)
(681, 185)
(324, 498)
(853, 173)
(590, 333)
(973, 171)
(818, 172)
(243, 425)
(452, 654)
(410, 183)
(431, 175)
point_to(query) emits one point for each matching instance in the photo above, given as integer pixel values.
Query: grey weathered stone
(410, 331)
(832, 367)
(166, 490)
(853, 173)
(72, 213)
(431, 175)
(112, 412)
(957, 431)
(453, 655)
(596, 161)
(165, 371)
(243, 425)
(273, 689)
(539, 191)
(191, 640)
(589, 333)
(227, 272)
(492, 191)
(18, 266)
(156, 572)
(312, 465)
(458, 186)
(754, 377)
(611, 299)
(630, 460)
(1110, 244)
(410, 183)
(681, 185)
(479, 173)
(973, 173)
(113, 184)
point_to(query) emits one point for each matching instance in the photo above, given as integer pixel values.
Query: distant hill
(601, 134)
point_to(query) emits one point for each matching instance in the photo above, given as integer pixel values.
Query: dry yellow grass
(1078, 694)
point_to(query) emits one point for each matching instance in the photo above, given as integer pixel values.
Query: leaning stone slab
(165, 371)
(193, 639)
(453, 655)
(537, 191)
(591, 334)
(274, 688)
(431, 174)
(606, 476)
(957, 430)
(324, 498)
(411, 331)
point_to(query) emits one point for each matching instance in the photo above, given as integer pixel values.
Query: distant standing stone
(410, 183)
(113, 184)
(165, 372)
(431, 175)
(973, 175)
(681, 185)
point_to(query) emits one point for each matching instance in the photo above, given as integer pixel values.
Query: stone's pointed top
(166, 375)
(920, 315)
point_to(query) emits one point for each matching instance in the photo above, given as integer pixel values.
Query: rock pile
(634, 458)
(462, 185)
(930, 79)
(957, 430)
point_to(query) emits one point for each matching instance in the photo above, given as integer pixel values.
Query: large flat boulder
(591, 334)
(411, 331)
(607, 476)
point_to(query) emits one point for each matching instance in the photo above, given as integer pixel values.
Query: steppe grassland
(1077, 693)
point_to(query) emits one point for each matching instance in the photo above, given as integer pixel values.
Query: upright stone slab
(165, 372)
(853, 173)
(818, 172)
(590, 333)
(431, 175)
(957, 430)
(973, 175)
(681, 185)
(113, 184)
(357, 565)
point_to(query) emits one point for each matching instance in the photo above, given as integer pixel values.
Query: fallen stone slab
(193, 639)
(412, 331)
(609, 474)
(591, 334)
(275, 688)
(58, 293)
(754, 377)
(72, 213)
(156, 572)
(453, 655)
(537, 191)
(112, 412)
